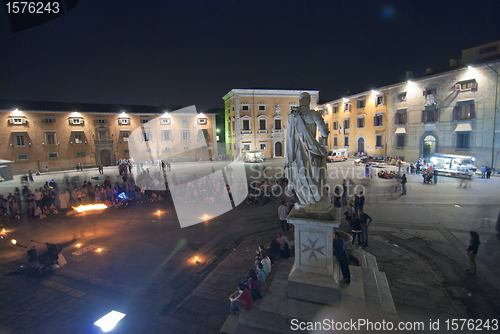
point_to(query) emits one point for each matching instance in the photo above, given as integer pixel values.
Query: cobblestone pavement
(419, 246)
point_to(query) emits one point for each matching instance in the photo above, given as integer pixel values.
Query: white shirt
(266, 263)
(283, 212)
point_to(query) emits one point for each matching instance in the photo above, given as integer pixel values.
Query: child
(53, 209)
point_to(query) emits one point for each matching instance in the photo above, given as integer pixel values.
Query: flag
(340, 128)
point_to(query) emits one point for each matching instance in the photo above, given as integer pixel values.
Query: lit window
(125, 135)
(402, 97)
(78, 137)
(380, 101)
(124, 121)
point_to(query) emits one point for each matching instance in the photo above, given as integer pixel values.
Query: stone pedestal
(315, 275)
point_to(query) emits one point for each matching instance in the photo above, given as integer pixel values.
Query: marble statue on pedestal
(305, 158)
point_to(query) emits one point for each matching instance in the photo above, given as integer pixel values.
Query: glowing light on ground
(90, 207)
(78, 245)
(14, 241)
(99, 250)
(109, 321)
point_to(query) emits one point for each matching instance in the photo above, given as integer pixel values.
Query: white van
(337, 155)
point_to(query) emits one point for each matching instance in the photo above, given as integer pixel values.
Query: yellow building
(256, 119)
(358, 122)
(57, 136)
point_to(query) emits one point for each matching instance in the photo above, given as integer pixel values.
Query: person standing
(365, 221)
(403, 184)
(283, 213)
(472, 252)
(361, 201)
(342, 257)
(344, 192)
(356, 229)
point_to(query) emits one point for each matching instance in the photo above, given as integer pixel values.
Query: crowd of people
(249, 289)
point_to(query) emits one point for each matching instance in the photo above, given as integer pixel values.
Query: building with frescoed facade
(256, 119)
(453, 112)
(58, 136)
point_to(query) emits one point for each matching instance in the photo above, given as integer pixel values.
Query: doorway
(105, 158)
(429, 146)
(278, 149)
(361, 145)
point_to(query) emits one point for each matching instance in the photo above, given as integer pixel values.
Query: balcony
(103, 141)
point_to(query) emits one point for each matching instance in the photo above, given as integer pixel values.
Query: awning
(19, 131)
(464, 127)
(400, 130)
(77, 131)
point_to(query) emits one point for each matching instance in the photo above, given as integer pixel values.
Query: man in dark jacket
(361, 200)
(342, 257)
(365, 221)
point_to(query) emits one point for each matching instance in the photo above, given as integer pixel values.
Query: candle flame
(196, 259)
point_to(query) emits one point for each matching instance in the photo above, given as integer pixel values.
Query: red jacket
(246, 298)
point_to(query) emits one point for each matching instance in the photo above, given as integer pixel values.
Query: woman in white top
(265, 260)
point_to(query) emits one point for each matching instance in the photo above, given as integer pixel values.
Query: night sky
(194, 51)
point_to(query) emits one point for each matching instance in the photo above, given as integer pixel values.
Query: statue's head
(305, 99)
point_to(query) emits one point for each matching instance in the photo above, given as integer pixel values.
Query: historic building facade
(358, 122)
(56, 136)
(256, 119)
(451, 112)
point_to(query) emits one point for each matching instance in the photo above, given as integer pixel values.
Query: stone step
(267, 321)
(387, 302)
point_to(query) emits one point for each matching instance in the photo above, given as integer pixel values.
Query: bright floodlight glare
(473, 159)
(109, 321)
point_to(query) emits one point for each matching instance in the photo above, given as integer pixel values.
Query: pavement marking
(85, 250)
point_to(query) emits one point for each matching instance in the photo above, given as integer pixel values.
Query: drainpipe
(34, 141)
(493, 162)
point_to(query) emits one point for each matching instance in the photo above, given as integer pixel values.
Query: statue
(305, 158)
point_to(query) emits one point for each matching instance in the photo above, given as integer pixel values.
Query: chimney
(409, 74)
(453, 61)
(428, 70)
